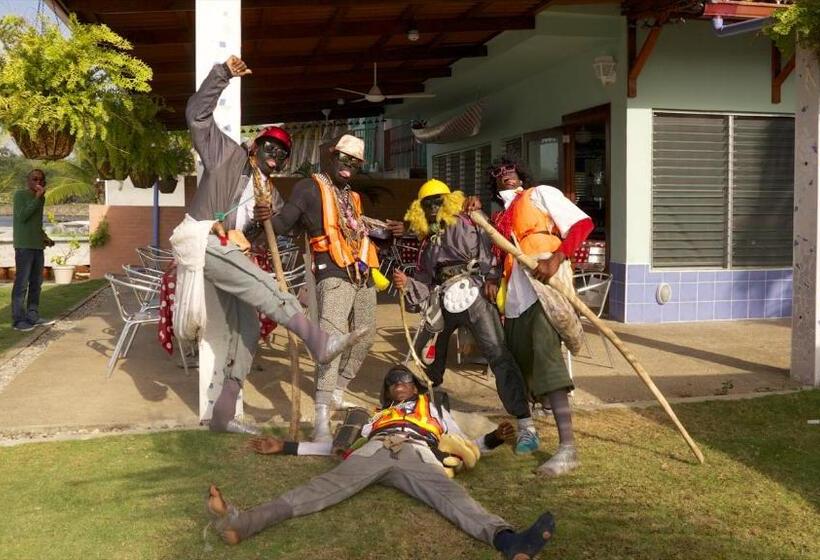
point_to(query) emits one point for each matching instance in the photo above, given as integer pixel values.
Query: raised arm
(209, 141)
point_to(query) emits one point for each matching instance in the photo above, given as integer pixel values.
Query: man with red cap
(230, 173)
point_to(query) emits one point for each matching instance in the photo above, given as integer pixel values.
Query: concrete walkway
(61, 384)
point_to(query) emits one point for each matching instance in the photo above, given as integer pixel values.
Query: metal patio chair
(133, 317)
(593, 289)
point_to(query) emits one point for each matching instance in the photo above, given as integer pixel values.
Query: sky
(26, 8)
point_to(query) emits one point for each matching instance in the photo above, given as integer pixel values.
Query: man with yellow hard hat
(457, 274)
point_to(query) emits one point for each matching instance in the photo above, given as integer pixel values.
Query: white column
(218, 35)
(805, 363)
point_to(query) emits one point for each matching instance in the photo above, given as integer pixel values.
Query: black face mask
(271, 155)
(340, 163)
(431, 206)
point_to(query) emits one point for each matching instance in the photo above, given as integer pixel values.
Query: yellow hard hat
(432, 188)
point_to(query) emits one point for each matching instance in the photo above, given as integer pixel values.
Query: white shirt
(520, 294)
(244, 214)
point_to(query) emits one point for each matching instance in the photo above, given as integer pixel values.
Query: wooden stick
(293, 344)
(581, 307)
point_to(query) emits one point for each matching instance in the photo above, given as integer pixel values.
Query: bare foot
(219, 511)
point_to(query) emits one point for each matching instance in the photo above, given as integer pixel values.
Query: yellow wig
(452, 206)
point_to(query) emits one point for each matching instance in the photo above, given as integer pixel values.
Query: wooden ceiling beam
(259, 63)
(637, 62)
(104, 7)
(779, 73)
(354, 29)
(296, 82)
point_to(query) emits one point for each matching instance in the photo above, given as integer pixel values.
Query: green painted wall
(690, 69)
(531, 78)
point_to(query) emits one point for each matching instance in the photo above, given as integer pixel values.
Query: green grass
(54, 301)
(638, 495)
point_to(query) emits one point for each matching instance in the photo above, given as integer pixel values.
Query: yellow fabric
(501, 296)
(464, 449)
(433, 187)
(342, 254)
(379, 280)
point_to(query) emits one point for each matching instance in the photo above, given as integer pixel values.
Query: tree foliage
(796, 22)
(64, 82)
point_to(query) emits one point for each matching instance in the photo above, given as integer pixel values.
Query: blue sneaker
(527, 442)
(23, 326)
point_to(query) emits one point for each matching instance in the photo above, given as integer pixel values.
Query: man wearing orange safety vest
(343, 256)
(547, 225)
(403, 449)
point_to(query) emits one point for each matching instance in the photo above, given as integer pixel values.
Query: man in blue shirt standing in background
(29, 243)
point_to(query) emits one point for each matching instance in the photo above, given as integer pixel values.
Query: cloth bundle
(189, 241)
(560, 313)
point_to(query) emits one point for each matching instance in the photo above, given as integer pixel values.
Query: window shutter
(762, 191)
(690, 176)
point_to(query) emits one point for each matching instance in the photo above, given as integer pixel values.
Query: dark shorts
(536, 346)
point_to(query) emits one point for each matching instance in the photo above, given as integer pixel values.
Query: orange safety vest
(332, 241)
(533, 228)
(419, 419)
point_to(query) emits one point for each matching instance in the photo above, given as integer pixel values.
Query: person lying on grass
(405, 443)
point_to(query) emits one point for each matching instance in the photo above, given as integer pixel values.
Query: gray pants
(407, 472)
(342, 307)
(243, 290)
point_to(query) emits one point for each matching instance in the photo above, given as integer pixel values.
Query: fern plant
(797, 22)
(64, 83)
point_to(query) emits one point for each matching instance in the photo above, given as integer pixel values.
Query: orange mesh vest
(333, 241)
(419, 419)
(532, 228)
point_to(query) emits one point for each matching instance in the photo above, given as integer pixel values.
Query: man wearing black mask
(230, 172)
(343, 257)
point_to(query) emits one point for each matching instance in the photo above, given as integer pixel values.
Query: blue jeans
(29, 278)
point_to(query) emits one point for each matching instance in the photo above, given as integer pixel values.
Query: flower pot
(167, 186)
(107, 173)
(47, 144)
(143, 180)
(63, 274)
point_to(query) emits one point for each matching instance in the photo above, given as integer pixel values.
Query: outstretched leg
(232, 272)
(321, 492)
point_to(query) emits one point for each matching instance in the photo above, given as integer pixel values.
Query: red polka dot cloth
(167, 291)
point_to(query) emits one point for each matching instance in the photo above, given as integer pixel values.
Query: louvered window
(722, 190)
(464, 170)
(762, 191)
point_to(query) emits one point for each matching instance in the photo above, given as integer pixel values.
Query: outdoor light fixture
(413, 35)
(604, 67)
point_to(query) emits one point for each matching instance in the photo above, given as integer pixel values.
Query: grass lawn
(54, 301)
(638, 495)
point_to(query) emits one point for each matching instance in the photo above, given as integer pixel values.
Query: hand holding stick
(581, 307)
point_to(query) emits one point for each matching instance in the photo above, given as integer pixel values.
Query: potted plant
(175, 159)
(111, 150)
(63, 271)
(55, 89)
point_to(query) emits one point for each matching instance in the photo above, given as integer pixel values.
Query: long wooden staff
(264, 198)
(581, 307)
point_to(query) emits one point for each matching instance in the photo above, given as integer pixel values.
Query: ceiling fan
(375, 95)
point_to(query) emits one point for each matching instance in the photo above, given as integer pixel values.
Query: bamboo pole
(262, 196)
(581, 307)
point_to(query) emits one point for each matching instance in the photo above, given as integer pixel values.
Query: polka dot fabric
(167, 293)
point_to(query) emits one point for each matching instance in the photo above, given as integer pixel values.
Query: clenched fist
(237, 67)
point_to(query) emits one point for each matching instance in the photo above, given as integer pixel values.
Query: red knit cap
(277, 134)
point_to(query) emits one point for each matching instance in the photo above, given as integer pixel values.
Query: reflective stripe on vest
(332, 241)
(419, 419)
(532, 228)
